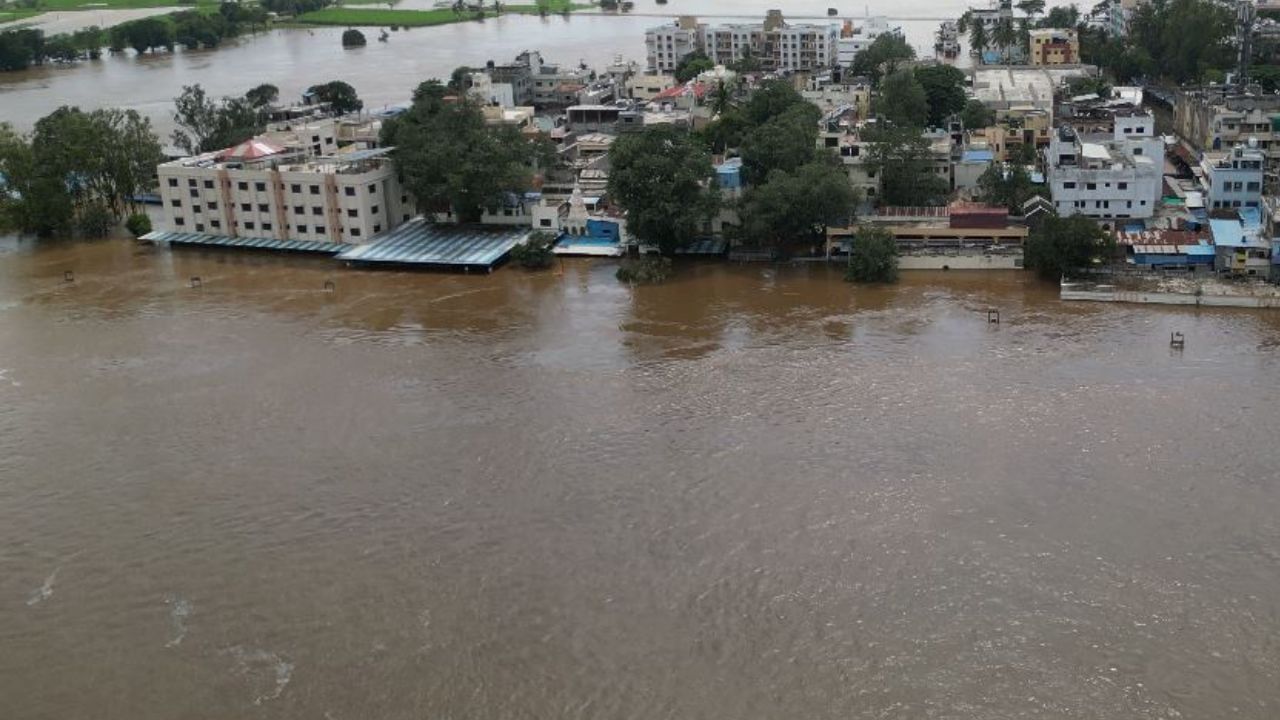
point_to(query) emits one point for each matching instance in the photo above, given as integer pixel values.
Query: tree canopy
(944, 88)
(790, 208)
(77, 170)
(205, 124)
(902, 100)
(1065, 246)
(784, 143)
(662, 178)
(693, 65)
(904, 162)
(882, 56)
(1161, 29)
(873, 257)
(448, 158)
(976, 115)
(340, 96)
(1006, 187)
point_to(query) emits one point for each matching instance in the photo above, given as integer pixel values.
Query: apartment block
(777, 45)
(1053, 46)
(1234, 180)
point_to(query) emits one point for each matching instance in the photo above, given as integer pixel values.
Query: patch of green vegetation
(372, 16)
(12, 15)
(46, 5)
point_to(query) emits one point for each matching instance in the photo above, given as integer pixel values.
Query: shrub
(138, 224)
(647, 270)
(95, 220)
(534, 253)
(353, 38)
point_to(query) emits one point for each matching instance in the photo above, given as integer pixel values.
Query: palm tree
(1005, 37)
(978, 40)
(720, 100)
(963, 23)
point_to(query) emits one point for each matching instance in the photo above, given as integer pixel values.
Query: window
(215, 224)
(299, 210)
(208, 184)
(1137, 151)
(1068, 186)
(1091, 186)
(544, 222)
(319, 229)
(315, 189)
(199, 227)
(213, 205)
(315, 138)
(260, 187)
(173, 182)
(191, 182)
(195, 192)
(373, 188)
(301, 228)
(328, 141)
(248, 225)
(352, 212)
(317, 211)
(377, 229)
(195, 208)
(262, 207)
(295, 188)
(176, 203)
(351, 192)
(245, 207)
(1122, 186)
(179, 221)
(355, 232)
(1254, 187)
(266, 226)
(242, 185)
(374, 210)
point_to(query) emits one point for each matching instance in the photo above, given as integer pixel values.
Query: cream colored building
(1054, 46)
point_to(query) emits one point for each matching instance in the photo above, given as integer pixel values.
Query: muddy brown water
(753, 492)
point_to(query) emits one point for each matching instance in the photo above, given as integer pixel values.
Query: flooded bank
(752, 492)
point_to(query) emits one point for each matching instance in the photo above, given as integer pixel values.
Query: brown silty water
(753, 492)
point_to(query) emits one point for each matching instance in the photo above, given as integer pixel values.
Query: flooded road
(750, 493)
(386, 73)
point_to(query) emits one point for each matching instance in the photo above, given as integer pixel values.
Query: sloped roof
(251, 149)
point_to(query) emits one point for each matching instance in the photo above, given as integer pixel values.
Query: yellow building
(1054, 46)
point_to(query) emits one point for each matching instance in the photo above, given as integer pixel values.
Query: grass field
(370, 16)
(11, 15)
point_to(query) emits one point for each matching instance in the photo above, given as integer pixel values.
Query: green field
(11, 15)
(369, 16)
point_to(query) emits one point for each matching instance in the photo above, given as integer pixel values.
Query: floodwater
(386, 73)
(753, 492)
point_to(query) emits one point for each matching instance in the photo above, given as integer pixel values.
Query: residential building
(972, 164)
(518, 76)
(644, 86)
(828, 95)
(1234, 180)
(853, 40)
(260, 189)
(482, 88)
(1102, 178)
(1242, 250)
(1220, 117)
(1054, 46)
(667, 45)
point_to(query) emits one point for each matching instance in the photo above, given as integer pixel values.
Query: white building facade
(1235, 181)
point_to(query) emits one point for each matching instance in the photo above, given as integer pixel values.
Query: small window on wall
(351, 192)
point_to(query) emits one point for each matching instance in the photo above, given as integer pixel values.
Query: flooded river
(750, 493)
(386, 73)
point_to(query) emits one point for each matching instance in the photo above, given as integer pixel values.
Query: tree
(664, 182)
(263, 95)
(1062, 18)
(647, 270)
(903, 101)
(904, 161)
(976, 115)
(944, 87)
(1161, 29)
(1031, 7)
(205, 124)
(138, 224)
(693, 65)
(793, 208)
(771, 99)
(882, 56)
(458, 78)
(783, 143)
(449, 159)
(1006, 187)
(535, 252)
(352, 37)
(1005, 37)
(340, 96)
(1064, 246)
(873, 257)
(978, 40)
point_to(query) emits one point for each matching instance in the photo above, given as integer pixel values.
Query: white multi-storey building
(1235, 180)
(1109, 166)
(258, 189)
(853, 40)
(778, 46)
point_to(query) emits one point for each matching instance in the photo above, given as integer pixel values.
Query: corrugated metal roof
(419, 242)
(1227, 233)
(250, 243)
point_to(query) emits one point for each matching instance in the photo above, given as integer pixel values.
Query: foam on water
(45, 591)
(179, 610)
(259, 666)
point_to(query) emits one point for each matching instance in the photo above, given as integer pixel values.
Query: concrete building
(828, 95)
(853, 40)
(777, 45)
(644, 86)
(667, 45)
(259, 189)
(1102, 178)
(972, 164)
(1218, 118)
(1053, 46)
(1234, 180)
(955, 237)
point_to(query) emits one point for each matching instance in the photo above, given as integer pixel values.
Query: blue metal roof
(977, 156)
(419, 242)
(249, 243)
(1227, 233)
(1196, 249)
(1250, 217)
